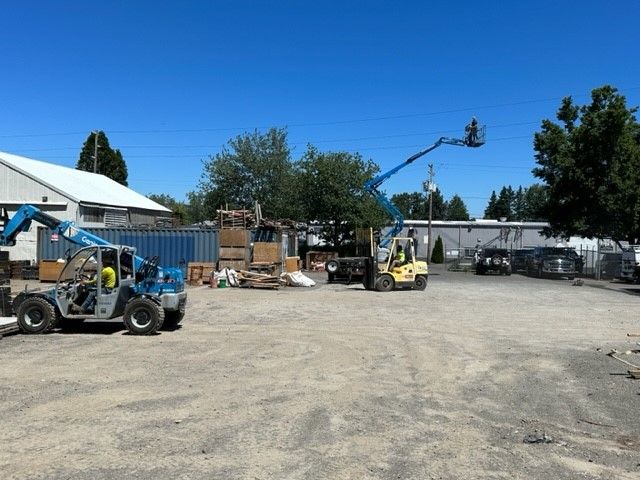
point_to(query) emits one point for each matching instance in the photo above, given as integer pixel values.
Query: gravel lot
(335, 382)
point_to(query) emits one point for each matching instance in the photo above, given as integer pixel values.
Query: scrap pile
(240, 219)
(257, 280)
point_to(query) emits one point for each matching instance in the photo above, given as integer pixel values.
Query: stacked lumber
(257, 280)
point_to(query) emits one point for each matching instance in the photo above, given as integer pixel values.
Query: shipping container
(174, 246)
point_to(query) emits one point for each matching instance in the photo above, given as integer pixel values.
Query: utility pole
(95, 151)
(431, 189)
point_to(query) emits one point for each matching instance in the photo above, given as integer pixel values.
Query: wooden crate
(292, 264)
(199, 272)
(49, 270)
(233, 238)
(232, 253)
(267, 252)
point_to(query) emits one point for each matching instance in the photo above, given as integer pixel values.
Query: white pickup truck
(630, 259)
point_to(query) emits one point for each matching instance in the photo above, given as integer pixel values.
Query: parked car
(630, 260)
(577, 258)
(551, 262)
(493, 260)
(520, 258)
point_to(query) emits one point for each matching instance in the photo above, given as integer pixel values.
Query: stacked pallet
(257, 280)
(199, 273)
(233, 248)
(237, 219)
(17, 267)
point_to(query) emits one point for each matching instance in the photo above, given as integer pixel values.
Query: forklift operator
(400, 258)
(108, 277)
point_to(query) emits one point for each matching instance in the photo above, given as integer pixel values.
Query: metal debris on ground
(538, 438)
(615, 354)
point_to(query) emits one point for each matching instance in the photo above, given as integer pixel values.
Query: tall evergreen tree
(490, 211)
(590, 163)
(456, 209)
(109, 162)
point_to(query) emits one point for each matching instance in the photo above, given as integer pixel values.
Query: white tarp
(297, 279)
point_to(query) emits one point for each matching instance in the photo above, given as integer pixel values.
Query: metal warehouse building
(88, 199)
(460, 235)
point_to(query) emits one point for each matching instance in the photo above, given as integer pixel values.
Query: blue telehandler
(146, 295)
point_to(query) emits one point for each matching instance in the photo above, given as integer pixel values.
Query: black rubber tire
(36, 315)
(332, 267)
(173, 317)
(496, 260)
(385, 283)
(143, 316)
(420, 282)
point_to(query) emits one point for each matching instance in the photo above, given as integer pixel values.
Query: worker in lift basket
(472, 131)
(399, 259)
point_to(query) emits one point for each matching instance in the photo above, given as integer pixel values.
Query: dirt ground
(335, 382)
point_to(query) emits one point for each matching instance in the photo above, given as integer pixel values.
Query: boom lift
(145, 294)
(413, 274)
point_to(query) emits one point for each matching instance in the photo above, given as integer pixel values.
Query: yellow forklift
(385, 275)
(410, 273)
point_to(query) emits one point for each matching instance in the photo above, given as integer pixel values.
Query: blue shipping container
(175, 247)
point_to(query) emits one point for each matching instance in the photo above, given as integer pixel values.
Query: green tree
(503, 206)
(490, 212)
(439, 205)
(456, 209)
(253, 167)
(178, 209)
(109, 163)
(590, 164)
(414, 205)
(334, 196)
(437, 255)
(518, 206)
(535, 203)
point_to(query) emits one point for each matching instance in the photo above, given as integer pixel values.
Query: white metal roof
(78, 185)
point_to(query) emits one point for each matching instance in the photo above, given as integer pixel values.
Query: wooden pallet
(199, 273)
(248, 279)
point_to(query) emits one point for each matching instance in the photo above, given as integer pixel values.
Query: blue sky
(171, 82)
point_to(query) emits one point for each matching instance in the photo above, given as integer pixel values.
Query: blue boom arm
(372, 186)
(22, 219)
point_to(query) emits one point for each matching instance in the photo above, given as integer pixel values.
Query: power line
(344, 140)
(335, 122)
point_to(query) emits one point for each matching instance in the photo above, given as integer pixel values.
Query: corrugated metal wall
(173, 246)
(461, 236)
